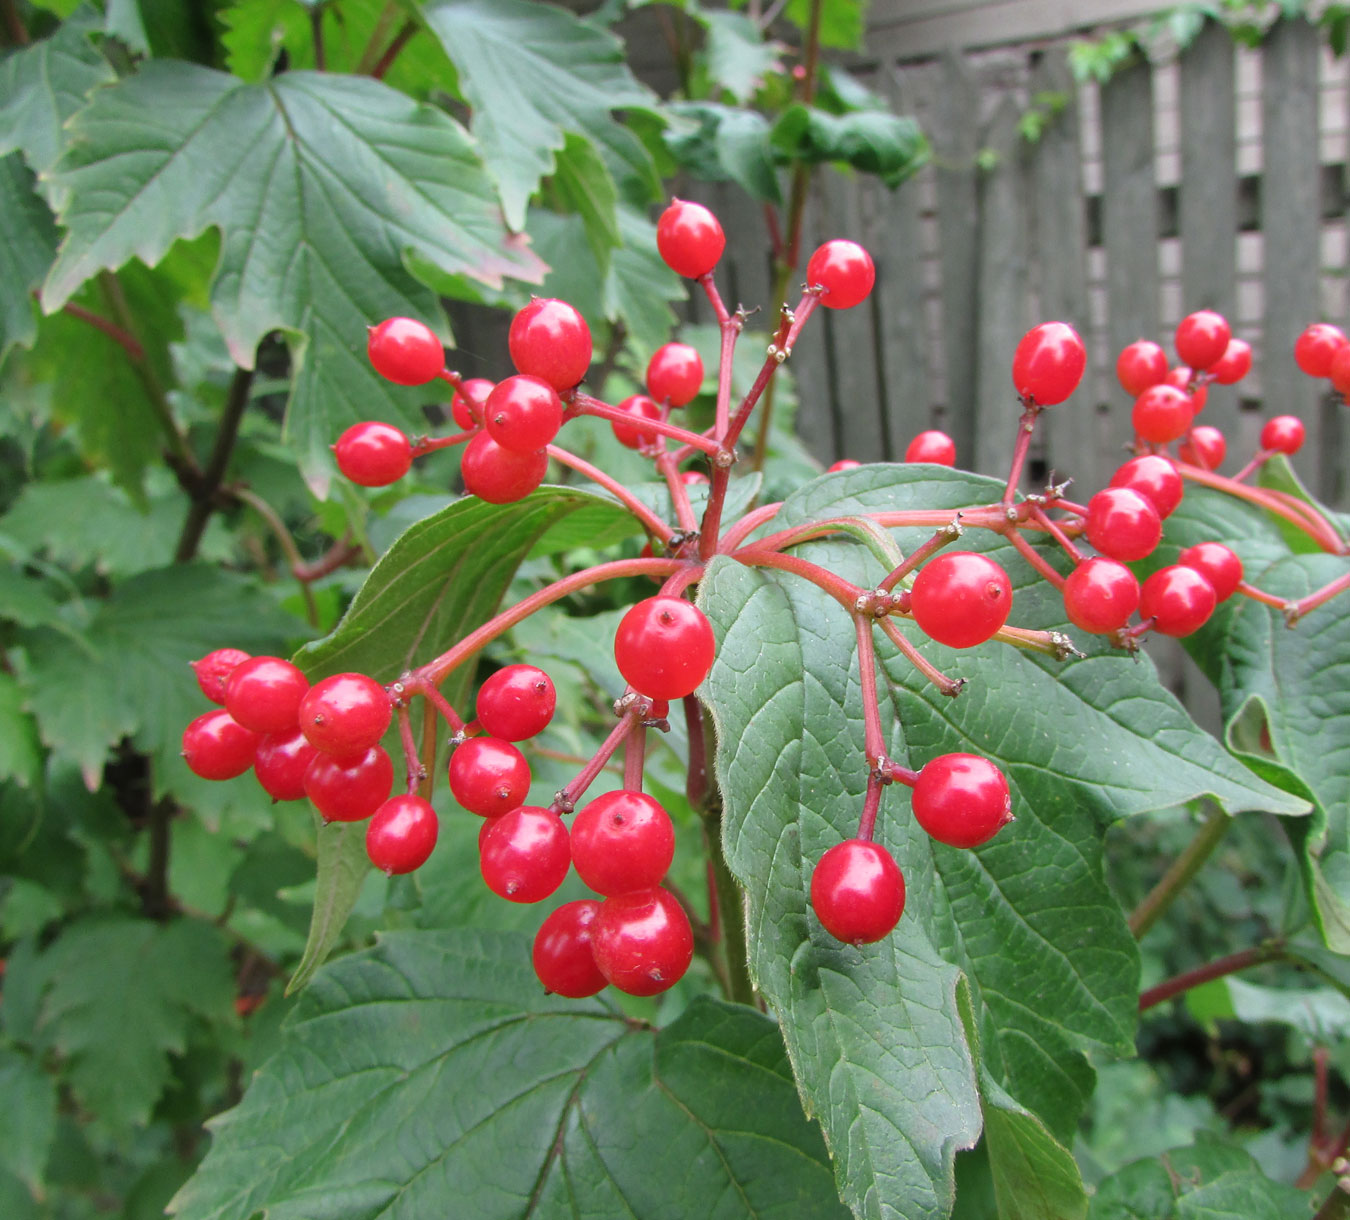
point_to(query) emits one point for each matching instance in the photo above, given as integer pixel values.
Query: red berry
(961, 598)
(1162, 413)
(1234, 364)
(215, 668)
(1100, 595)
(345, 714)
(488, 776)
(562, 955)
(842, 464)
(550, 340)
(348, 790)
(1202, 338)
(498, 475)
(1048, 363)
(264, 693)
(844, 270)
(1317, 346)
(858, 891)
(1205, 447)
(216, 746)
(516, 702)
(692, 478)
(1178, 599)
(640, 407)
(405, 351)
(962, 800)
(675, 374)
(1123, 524)
(1217, 563)
(1184, 379)
(932, 446)
(525, 855)
(1340, 370)
(689, 238)
(642, 941)
(1284, 434)
(523, 414)
(401, 835)
(467, 404)
(372, 454)
(1140, 365)
(1155, 478)
(664, 647)
(280, 763)
(622, 841)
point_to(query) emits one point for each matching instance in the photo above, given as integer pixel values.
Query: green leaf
(1279, 474)
(639, 285)
(318, 186)
(121, 998)
(726, 144)
(584, 188)
(20, 749)
(738, 55)
(1210, 1180)
(888, 145)
(1322, 1014)
(27, 1119)
(449, 1036)
(1028, 918)
(841, 24)
(27, 246)
(130, 676)
(444, 577)
(532, 74)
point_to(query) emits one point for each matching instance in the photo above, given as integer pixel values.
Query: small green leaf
(449, 1035)
(888, 145)
(639, 284)
(20, 749)
(27, 246)
(842, 22)
(27, 1119)
(583, 187)
(738, 55)
(725, 143)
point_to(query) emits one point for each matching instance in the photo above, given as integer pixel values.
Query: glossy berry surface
(689, 238)
(664, 647)
(523, 414)
(499, 475)
(562, 957)
(216, 746)
(489, 776)
(467, 404)
(264, 693)
(1284, 434)
(962, 800)
(693, 478)
(349, 790)
(844, 270)
(1140, 364)
(1155, 478)
(639, 407)
(516, 702)
(1317, 346)
(402, 834)
(1048, 363)
(960, 598)
(1205, 447)
(1185, 379)
(622, 841)
(842, 464)
(405, 351)
(372, 454)
(1217, 563)
(213, 670)
(345, 714)
(1123, 524)
(1162, 413)
(1340, 370)
(675, 374)
(1202, 338)
(280, 763)
(1178, 599)
(1100, 595)
(642, 941)
(525, 854)
(550, 340)
(1234, 364)
(932, 446)
(857, 891)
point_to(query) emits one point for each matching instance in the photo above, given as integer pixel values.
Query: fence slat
(817, 421)
(1004, 307)
(1291, 232)
(1208, 196)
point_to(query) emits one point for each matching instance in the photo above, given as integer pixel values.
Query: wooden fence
(1212, 180)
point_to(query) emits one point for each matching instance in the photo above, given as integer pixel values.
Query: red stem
(874, 742)
(1035, 558)
(1307, 604)
(945, 535)
(679, 493)
(584, 404)
(746, 526)
(650, 521)
(411, 757)
(1316, 528)
(867, 822)
(1026, 426)
(948, 686)
(122, 337)
(1244, 959)
(1052, 528)
(566, 800)
(386, 60)
(837, 587)
(634, 753)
